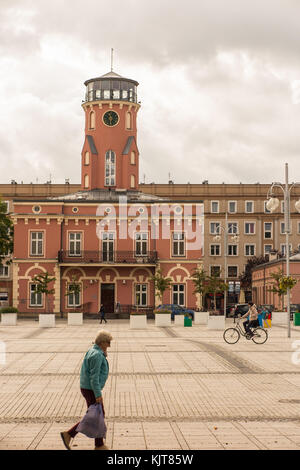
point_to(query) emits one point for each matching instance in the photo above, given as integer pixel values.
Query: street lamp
(271, 205)
(235, 239)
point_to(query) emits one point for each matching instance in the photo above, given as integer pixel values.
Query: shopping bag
(267, 323)
(93, 424)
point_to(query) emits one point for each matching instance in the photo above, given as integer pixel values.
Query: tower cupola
(110, 157)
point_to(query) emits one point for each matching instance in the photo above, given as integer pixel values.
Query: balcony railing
(107, 257)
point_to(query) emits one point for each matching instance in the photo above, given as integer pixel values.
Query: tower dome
(111, 86)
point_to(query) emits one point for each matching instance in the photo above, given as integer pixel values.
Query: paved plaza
(169, 388)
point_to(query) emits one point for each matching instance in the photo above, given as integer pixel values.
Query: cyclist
(253, 318)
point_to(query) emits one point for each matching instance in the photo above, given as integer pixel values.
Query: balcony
(107, 257)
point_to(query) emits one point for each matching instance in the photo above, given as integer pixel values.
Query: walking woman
(93, 375)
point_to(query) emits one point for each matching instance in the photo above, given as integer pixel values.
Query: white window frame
(235, 207)
(109, 242)
(265, 231)
(271, 248)
(7, 206)
(248, 223)
(232, 228)
(4, 270)
(36, 244)
(75, 244)
(246, 211)
(74, 300)
(141, 243)
(179, 244)
(110, 168)
(250, 245)
(218, 232)
(178, 294)
(212, 249)
(35, 296)
(211, 207)
(141, 290)
(237, 271)
(231, 245)
(282, 248)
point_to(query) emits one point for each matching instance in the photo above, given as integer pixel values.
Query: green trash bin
(188, 321)
(297, 319)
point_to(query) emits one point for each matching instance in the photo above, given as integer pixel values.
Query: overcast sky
(219, 86)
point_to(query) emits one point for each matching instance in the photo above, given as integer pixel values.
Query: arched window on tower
(132, 181)
(86, 181)
(92, 120)
(110, 168)
(87, 158)
(128, 120)
(132, 158)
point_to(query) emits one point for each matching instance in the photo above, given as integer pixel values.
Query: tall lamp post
(218, 238)
(272, 205)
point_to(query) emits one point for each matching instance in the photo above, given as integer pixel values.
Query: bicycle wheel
(260, 336)
(231, 335)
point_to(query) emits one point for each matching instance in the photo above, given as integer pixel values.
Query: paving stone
(168, 388)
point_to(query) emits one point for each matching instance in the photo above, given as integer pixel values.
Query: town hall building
(109, 235)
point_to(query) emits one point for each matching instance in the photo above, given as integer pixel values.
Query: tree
(281, 284)
(199, 279)
(42, 282)
(6, 233)
(246, 276)
(74, 287)
(215, 285)
(161, 284)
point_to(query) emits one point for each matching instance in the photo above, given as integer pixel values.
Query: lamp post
(272, 205)
(218, 238)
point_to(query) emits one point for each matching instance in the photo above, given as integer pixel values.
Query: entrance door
(108, 297)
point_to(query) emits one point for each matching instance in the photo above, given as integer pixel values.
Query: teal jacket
(94, 370)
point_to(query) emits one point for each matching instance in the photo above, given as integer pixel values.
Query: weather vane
(112, 59)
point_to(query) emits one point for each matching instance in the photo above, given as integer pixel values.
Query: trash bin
(188, 321)
(297, 319)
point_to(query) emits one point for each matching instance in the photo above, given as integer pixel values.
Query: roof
(92, 145)
(109, 75)
(128, 145)
(113, 195)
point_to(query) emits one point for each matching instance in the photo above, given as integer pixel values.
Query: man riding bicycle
(253, 318)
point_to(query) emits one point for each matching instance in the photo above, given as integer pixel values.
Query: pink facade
(262, 282)
(110, 236)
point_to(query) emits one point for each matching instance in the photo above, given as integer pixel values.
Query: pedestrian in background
(102, 313)
(93, 375)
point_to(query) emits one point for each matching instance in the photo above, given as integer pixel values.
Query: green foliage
(281, 284)
(199, 279)
(9, 310)
(246, 276)
(42, 282)
(215, 285)
(161, 283)
(6, 233)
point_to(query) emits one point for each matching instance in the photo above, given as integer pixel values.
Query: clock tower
(110, 157)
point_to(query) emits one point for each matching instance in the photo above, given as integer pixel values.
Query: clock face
(110, 118)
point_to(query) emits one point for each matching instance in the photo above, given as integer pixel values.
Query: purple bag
(93, 424)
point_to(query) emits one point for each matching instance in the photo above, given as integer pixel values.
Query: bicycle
(232, 335)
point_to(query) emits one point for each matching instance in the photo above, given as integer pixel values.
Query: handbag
(93, 424)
